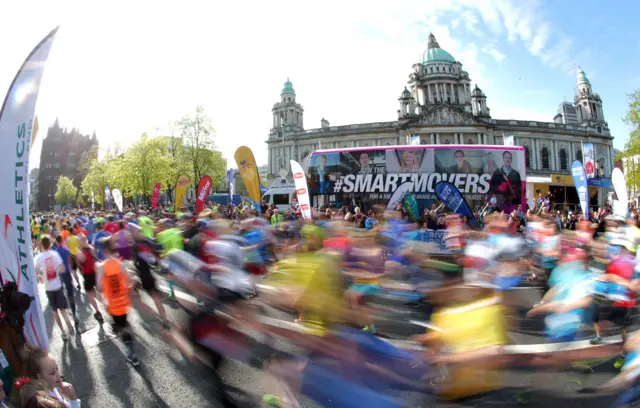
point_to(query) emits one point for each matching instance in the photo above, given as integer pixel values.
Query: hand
(40, 279)
(68, 391)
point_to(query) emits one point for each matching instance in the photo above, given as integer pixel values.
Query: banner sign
(580, 182)
(249, 173)
(204, 188)
(107, 195)
(621, 205)
(181, 190)
(231, 176)
(589, 159)
(600, 182)
(374, 175)
(398, 195)
(302, 190)
(117, 198)
(156, 196)
(17, 129)
(437, 237)
(452, 198)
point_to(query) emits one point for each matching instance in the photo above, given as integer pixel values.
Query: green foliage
(65, 191)
(160, 159)
(631, 152)
(198, 149)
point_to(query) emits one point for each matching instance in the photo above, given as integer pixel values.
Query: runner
(87, 260)
(64, 253)
(49, 266)
(112, 280)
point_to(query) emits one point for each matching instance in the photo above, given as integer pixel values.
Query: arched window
(544, 155)
(424, 142)
(563, 159)
(579, 155)
(469, 141)
(527, 157)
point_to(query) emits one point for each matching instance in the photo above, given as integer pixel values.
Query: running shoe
(596, 340)
(133, 359)
(98, 317)
(619, 363)
(271, 401)
(370, 329)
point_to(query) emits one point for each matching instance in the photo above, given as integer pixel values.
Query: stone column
(432, 139)
(437, 138)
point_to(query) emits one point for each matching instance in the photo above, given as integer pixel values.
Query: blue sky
(122, 74)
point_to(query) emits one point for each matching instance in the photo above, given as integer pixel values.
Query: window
(50, 153)
(527, 157)
(72, 165)
(280, 199)
(48, 166)
(579, 155)
(563, 159)
(599, 129)
(544, 155)
(56, 166)
(57, 154)
(72, 153)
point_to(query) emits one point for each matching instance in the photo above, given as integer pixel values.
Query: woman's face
(49, 372)
(409, 159)
(459, 159)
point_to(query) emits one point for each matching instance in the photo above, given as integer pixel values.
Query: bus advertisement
(368, 176)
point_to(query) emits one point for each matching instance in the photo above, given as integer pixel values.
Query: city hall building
(439, 106)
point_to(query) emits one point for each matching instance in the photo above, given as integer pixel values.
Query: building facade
(440, 106)
(34, 187)
(60, 156)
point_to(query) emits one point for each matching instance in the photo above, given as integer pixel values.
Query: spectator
(43, 386)
(276, 218)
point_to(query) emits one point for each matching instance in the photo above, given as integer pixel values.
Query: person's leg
(56, 317)
(68, 286)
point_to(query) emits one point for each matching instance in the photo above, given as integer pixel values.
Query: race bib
(50, 269)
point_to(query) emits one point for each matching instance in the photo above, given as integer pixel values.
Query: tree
(199, 148)
(65, 192)
(144, 164)
(631, 152)
(86, 160)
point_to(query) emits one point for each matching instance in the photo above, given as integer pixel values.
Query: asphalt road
(94, 362)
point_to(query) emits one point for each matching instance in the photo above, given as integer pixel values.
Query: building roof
(434, 53)
(582, 77)
(288, 88)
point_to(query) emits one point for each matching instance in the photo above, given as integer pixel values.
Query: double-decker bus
(367, 176)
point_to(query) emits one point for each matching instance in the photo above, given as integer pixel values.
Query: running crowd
(332, 277)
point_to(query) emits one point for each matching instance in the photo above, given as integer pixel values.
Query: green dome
(582, 77)
(435, 54)
(288, 88)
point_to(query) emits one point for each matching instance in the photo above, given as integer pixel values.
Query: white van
(280, 194)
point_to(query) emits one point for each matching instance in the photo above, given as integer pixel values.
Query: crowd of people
(328, 271)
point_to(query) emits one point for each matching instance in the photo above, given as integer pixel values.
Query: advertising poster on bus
(371, 176)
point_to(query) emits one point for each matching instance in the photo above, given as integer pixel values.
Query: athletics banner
(249, 173)
(580, 181)
(117, 198)
(621, 205)
(181, 190)
(451, 197)
(156, 196)
(204, 188)
(17, 129)
(302, 190)
(589, 159)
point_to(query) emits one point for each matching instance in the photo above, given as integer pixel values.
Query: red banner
(156, 196)
(204, 188)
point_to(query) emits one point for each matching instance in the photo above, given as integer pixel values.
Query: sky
(124, 68)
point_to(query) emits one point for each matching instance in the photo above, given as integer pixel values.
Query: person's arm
(99, 274)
